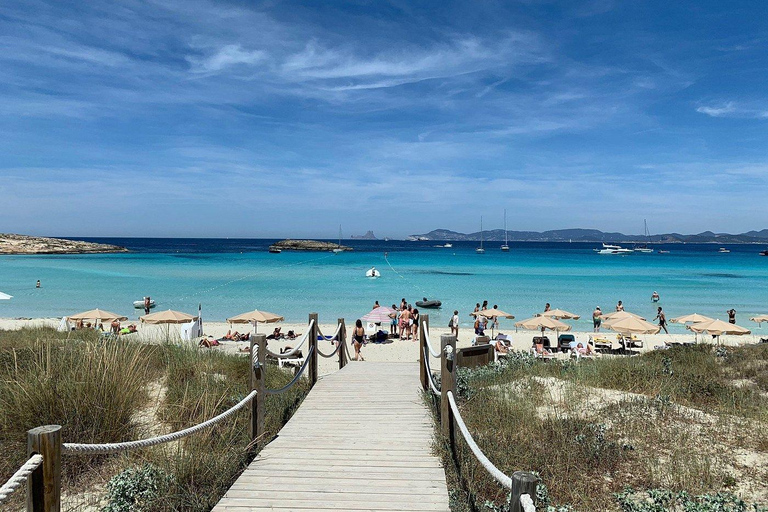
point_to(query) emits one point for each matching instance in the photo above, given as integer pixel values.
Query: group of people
(403, 321)
(481, 320)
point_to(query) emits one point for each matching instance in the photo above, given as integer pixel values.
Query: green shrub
(136, 489)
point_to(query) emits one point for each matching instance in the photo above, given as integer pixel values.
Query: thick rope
(295, 378)
(90, 449)
(527, 503)
(346, 349)
(295, 349)
(425, 330)
(334, 337)
(19, 478)
(429, 373)
(500, 477)
(338, 346)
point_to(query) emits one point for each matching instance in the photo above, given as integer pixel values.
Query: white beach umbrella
(256, 317)
(759, 318)
(560, 314)
(693, 318)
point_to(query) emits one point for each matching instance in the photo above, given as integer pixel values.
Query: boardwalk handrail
(19, 478)
(42, 471)
(91, 449)
(334, 337)
(425, 330)
(522, 485)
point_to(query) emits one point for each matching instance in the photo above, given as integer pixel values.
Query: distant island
(594, 235)
(306, 245)
(367, 236)
(21, 244)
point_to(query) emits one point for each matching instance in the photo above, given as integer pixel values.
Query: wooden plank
(365, 421)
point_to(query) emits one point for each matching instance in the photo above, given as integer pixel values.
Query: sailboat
(505, 247)
(643, 248)
(338, 249)
(480, 249)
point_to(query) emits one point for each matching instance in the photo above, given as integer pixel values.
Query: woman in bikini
(358, 337)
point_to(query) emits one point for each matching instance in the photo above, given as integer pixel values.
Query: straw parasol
(559, 314)
(693, 318)
(760, 319)
(493, 313)
(167, 317)
(542, 323)
(5, 296)
(718, 328)
(615, 315)
(632, 325)
(255, 317)
(98, 315)
(378, 315)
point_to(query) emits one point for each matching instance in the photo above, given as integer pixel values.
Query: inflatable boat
(139, 304)
(373, 273)
(428, 304)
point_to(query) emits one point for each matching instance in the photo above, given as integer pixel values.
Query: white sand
(394, 350)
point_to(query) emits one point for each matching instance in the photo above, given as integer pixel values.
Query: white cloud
(730, 109)
(225, 57)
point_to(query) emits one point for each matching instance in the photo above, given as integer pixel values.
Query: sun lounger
(601, 342)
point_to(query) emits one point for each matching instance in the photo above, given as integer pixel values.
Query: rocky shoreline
(23, 244)
(306, 245)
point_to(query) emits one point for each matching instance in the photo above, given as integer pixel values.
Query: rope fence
(430, 375)
(295, 349)
(334, 337)
(425, 327)
(19, 478)
(295, 378)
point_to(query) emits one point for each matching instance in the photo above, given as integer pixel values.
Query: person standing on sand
(597, 319)
(454, 324)
(415, 326)
(393, 324)
(620, 306)
(147, 305)
(358, 337)
(662, 318)
(731, 316)
(405, 323)
(485, 305)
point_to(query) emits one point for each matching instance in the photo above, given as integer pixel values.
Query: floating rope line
(92, 449)
(401, 276)
(19, 478)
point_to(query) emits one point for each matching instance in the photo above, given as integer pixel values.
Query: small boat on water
(445, 246)
(480, 249)
(275, 250)
(723, 250)
(663, 252)
(338, 249)
(373, 273)
(139, 304)
(764, 253)
(505, 247)
(428, 304)
(613, 249)
(643, 248)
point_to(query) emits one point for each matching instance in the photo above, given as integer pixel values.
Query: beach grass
(110, 391)
(689, 419)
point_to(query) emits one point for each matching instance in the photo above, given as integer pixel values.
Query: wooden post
(447, 383)
(313, 343)
(422, 347)
(523, 483)
(342, 344)
(258, 375)
(44, 484)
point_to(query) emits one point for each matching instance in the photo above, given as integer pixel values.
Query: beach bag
(450, 322)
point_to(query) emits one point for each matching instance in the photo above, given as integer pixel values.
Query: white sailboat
(338, 249)
(505, 247)
(480, 249)
(643, 248)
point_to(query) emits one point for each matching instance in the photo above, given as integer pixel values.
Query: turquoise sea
(233, 276)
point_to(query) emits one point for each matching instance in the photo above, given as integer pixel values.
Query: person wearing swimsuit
(358, 337)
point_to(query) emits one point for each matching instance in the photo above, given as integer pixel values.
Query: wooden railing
(42, 471)
(522, 484)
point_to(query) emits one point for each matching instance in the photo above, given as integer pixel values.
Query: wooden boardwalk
(361, 441)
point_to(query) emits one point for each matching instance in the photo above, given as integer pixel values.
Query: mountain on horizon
(594, 235)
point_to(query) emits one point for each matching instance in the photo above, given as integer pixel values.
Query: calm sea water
(232, 276)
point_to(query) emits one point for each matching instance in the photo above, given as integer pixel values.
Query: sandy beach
(394, 350)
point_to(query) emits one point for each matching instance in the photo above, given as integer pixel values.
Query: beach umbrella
(167, 317)
(493, 313)
(542, 323)
(378, 315)
(255, 317)
(615, 315)
(5, 296)
(632, 325)
(559, 314)
(718, 328)
(694, 318)
(759, 318)
(98, 315)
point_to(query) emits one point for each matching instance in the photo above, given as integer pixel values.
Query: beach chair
(564, 342)
(296, 360)
(629, 341)
(601, 343)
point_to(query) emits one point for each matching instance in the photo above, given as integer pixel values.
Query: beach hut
(718, 328)
(493, 313)
(255, 317)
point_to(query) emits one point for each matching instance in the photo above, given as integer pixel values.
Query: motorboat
(505, 247)
(447, 246)
(428, 304)
(764, 253)
(723, 250)
(373, 273)
(139, 304)
(275, 250)
(480, 249)
(613, 249)
(663, 252)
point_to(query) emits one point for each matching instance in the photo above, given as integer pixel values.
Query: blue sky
(183, 118)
